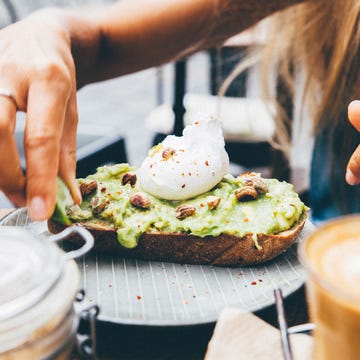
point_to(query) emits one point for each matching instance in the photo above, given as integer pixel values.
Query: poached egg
(182, 167)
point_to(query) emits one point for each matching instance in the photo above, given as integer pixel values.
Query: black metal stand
(179, 93)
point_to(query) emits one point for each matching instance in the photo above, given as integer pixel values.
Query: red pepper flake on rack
(138, 297)
(253, 283)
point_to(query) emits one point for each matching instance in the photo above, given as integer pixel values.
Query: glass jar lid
(29, 268)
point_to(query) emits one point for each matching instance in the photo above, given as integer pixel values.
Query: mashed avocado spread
(114, 196)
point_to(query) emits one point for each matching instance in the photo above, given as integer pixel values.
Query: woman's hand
(37, 67)
(353, 167)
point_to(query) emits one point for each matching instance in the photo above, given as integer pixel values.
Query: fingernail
(77, 195)
(351, 179)
(37, 209)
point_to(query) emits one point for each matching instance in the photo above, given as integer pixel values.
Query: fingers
(12, 180)
(67, 165)
(47, 103)
(354, 113)
(36, 62)
(353, 168)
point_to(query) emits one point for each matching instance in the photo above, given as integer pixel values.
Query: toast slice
(241, 221)
(222, 250)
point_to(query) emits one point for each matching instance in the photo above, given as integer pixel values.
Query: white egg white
(183, 167)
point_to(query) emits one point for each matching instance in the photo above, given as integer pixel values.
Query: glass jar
(39, 283)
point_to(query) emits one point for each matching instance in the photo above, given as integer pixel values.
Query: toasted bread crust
(223, 250)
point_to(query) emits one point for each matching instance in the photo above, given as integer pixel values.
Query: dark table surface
(116, 341)
(186, 342)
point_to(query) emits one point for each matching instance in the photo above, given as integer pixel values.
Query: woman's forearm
(135, 34)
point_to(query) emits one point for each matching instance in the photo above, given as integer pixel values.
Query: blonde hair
(320, 39)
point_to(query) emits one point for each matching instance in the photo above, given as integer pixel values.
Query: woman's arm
(132, 35)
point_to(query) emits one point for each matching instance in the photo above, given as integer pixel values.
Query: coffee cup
(331, 255)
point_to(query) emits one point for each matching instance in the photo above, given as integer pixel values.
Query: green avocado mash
(110, 201)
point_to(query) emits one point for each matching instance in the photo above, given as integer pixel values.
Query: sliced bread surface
(222, 250)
